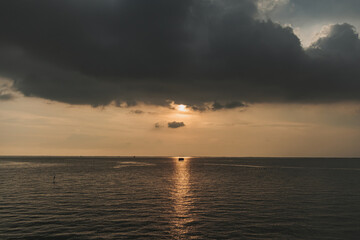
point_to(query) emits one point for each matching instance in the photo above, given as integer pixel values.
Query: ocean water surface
(163, 198)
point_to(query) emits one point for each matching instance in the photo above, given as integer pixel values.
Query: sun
(182, 108)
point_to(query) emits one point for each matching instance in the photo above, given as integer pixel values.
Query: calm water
(162, 198)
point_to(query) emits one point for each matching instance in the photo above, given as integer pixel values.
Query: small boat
(181, 159)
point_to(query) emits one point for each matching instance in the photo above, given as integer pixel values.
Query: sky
(180, 78)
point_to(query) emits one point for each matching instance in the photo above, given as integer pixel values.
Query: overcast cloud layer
(96, 52)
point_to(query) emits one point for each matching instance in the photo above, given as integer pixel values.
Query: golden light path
(182, 198)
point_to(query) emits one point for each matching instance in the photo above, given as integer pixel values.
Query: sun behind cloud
(182, 108)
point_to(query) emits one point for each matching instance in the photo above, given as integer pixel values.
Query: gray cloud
(215, 106)
(302, 11)
(137, 111)
(6, 96)
(191, 52)
(157, 125)
(230, 105)
(6, 93)
(176, 124)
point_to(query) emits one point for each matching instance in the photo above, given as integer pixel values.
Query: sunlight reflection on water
(182, 198)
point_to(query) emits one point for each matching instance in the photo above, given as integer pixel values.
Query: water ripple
(163, 198)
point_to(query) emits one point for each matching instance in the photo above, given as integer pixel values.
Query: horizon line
(166, 156)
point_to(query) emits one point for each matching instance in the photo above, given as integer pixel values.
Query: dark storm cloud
(176, 124)
(341, 44)
(191, 52)
(335, 60)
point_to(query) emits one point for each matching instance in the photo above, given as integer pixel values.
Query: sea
(164, 198)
